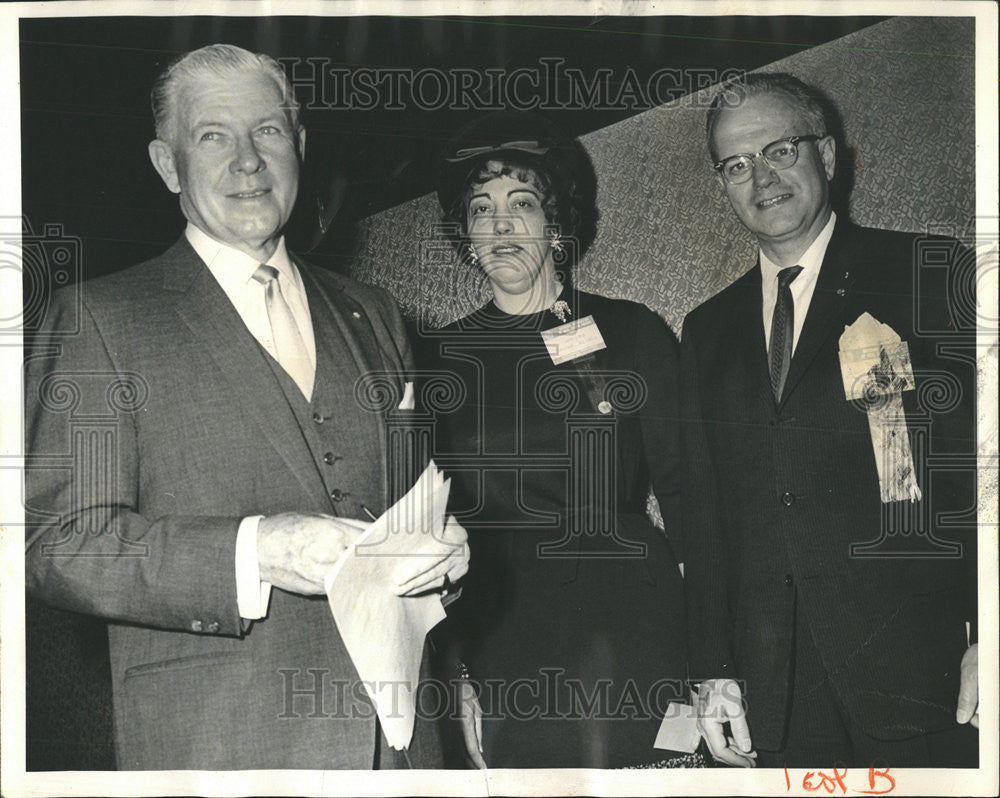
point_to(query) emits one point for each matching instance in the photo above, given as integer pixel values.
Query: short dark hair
(807, 101)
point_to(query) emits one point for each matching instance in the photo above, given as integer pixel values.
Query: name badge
(573, 339)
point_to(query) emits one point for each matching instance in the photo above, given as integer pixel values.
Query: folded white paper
(384, 633)
(875, 365)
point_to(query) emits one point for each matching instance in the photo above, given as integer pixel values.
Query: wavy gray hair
(222, 60)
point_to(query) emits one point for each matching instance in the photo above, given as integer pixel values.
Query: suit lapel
(349, 317)
(747, 340)
(828, 306)
(206, 310)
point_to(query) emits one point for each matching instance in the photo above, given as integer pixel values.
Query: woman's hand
(470, 718)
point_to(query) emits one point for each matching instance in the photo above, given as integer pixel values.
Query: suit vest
(344, 438)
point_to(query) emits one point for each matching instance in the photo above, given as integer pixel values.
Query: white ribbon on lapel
(875, 366)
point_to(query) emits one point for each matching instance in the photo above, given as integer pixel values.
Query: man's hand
(719, 701)
(968, 690)
(436, 561)
(470, 718)
(297, 551)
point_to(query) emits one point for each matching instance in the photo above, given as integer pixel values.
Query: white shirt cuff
(252, 595)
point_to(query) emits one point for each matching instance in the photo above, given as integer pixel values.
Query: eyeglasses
(780, 154)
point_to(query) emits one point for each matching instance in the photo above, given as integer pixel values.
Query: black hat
(533, 139)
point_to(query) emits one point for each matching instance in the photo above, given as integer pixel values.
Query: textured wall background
(906, 91)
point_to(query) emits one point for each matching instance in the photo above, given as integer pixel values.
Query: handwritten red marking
(882, 774)
(813, 781)
(826, 781)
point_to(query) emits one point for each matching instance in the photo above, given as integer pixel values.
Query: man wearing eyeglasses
(830, 614)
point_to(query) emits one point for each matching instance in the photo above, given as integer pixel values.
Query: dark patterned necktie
(782, 331)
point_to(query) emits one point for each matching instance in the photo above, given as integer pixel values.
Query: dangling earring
(556, 244)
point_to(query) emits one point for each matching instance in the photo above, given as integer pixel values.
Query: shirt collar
(232, 268)
(811, 260)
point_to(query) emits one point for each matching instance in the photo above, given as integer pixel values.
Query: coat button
(337, 495)
(319, 418)
(195, 626)
(787, 499)
(788, 580)
(330, 458)
(212, 627)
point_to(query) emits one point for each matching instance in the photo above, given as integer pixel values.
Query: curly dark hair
(564, 204)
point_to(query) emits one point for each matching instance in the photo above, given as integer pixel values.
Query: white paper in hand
(384, 633)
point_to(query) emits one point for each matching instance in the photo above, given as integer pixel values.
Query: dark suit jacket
(151, 431)
(781, 501)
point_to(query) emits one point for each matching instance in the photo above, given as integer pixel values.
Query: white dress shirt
(802, 287)
(234, 272)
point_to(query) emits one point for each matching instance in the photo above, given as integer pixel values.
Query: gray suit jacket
(154, 423)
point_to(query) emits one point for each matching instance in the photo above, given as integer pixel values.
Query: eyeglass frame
(793, 140)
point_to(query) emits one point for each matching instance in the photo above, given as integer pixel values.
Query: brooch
(560, 309)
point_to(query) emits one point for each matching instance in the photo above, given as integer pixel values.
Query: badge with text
(573, 340)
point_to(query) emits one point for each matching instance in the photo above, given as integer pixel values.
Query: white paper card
(679, 729)
(573, 339)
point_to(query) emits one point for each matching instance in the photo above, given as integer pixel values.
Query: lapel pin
(356, 314)
(841, 291)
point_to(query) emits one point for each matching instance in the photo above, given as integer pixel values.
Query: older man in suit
(828, 618)
(207, 399)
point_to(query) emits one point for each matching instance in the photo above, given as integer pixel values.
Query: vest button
(789, 580)
(330, 458)
(337, 495)
(319, 418)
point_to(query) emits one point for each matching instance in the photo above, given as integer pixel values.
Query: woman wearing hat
(571, 623)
